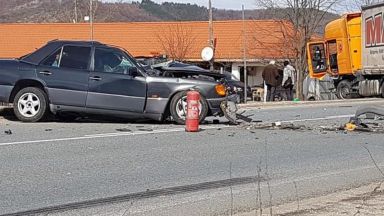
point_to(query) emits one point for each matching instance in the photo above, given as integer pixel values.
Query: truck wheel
(382, 90)
(30, 104)
(178, 108)
(344, 90)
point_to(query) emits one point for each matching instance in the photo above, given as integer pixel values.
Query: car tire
(178, 107)
(344, 90)
(30, 104)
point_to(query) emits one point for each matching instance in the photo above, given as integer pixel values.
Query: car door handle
(95, 78)
(46, 73)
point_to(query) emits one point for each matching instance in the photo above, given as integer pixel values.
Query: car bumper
(214, 104)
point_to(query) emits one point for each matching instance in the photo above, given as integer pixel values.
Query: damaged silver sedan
(91, 77)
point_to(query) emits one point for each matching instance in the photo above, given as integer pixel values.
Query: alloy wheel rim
(29, 105)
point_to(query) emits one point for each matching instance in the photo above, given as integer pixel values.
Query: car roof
(40, 54)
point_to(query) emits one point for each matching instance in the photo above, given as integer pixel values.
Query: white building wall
(236, 70)
(255, 71)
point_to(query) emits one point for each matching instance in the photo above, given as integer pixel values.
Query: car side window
(75, 57)
(112, 61)
(53, 60)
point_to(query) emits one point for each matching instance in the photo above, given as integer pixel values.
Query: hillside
(36, 11)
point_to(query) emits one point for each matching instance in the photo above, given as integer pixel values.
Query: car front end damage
(212, 86)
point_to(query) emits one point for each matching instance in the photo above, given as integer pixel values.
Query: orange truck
(352, 53)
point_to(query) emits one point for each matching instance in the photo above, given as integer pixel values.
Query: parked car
(91, 77)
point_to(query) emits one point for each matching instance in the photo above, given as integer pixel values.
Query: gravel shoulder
(365, 200)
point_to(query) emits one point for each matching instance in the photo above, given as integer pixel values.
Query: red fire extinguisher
(193, 111)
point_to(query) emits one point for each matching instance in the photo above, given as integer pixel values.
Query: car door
(65, 73)
(115, 82)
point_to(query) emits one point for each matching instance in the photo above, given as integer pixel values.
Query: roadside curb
(308, 103)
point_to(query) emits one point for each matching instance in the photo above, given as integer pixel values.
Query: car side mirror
(133, 71)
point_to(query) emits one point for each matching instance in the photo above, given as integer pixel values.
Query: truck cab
(338, 54)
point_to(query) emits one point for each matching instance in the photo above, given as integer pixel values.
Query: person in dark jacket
(271, 77)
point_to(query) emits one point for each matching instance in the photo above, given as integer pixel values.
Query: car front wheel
(178, 108)
(30, 104)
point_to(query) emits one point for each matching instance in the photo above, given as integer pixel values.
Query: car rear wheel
(178, 108)
(30, 104)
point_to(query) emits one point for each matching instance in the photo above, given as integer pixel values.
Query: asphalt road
(56, 163)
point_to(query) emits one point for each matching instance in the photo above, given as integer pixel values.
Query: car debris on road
(371, 113)
(372, 127)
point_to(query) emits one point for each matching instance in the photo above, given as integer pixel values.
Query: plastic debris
(350, 127)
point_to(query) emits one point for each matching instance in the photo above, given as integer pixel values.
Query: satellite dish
(207, 54)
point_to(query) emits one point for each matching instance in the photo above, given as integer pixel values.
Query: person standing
(271, 77)
(288, 80)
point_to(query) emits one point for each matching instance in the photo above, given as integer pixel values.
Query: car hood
(191, 71)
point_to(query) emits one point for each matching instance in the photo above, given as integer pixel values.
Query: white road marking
(318, 119)
(308, 104)
(94, 136)
(160, 131)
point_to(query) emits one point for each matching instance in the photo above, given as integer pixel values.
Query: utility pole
(245, 57)
(211, 39)
(76, 16)
(91, 17)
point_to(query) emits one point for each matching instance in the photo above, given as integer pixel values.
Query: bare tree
(176, 40)
(280, 40)
(81, 8)
(306, 16)
(355, 5)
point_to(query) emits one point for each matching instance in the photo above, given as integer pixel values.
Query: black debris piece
(146, 129)
(231, 135)
(124, 130)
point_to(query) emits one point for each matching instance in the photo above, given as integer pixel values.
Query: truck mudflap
(230, 110)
